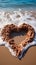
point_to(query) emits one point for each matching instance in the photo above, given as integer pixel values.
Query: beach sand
(17, 17)
(7, 59)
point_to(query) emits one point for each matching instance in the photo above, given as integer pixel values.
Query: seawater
(17, 3)
(9, 10)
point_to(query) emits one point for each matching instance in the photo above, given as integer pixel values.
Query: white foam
(8, 17)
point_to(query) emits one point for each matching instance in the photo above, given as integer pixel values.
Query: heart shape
(18, 37)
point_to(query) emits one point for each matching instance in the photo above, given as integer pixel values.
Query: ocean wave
(17, 3)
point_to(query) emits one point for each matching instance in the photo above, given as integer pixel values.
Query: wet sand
(7, 59)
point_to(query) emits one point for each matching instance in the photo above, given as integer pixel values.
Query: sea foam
(17, 17)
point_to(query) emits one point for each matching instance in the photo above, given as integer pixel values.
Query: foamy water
(17, 17)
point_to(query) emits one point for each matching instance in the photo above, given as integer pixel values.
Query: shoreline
(18, 8)
(17, 17)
